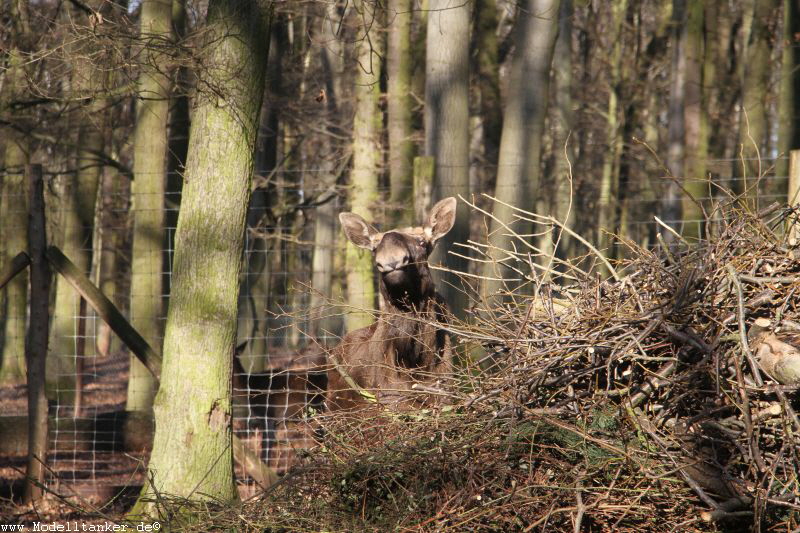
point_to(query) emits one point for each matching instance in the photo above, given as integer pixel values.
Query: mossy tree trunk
(608, 221)
(398, 110)
(323, 324)
(78, 197)
(366, 164)
(788, 105)
(696, 145)
(13, 224)
(191, 454)
(447, 130)
(523, 128)
(149, 182)
(753, 117)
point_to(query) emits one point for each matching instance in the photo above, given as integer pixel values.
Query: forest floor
(86, 463)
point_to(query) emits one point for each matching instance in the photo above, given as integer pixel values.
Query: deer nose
(393, 264)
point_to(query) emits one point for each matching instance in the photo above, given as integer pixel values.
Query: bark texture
(149, 170)
(14, 301)
(366, 163)
(671, 206)
(608, 202)
(192, 454)
(399, 105)
(753, 118)
(523, 127)
(788, 127)
(78, 195)
(447, 129)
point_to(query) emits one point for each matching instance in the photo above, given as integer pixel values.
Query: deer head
(401, 255)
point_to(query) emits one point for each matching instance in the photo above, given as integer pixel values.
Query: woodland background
(599, 114)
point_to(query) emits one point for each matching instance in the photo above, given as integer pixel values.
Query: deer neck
(411, 297)
(410, 334)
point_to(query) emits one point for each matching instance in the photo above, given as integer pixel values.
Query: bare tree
(447, 127)
(789, 103)
(671, 200)
(523, 127)
(191, 454)
(13, 212)
(399, 108)
(149, 182)
(366, 161)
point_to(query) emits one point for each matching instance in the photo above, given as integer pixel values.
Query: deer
(406, 348)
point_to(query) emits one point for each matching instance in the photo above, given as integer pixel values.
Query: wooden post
(19, 263)
(793, 197)
(794, 177)
(106, 309)
(424, 167)
(260, 472)
(36, 343)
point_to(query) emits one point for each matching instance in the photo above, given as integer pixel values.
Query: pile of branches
(662, 397)
(694, 346)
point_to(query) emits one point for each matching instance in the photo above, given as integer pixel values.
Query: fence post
(794, 177)
(36, 343)
(793, 196)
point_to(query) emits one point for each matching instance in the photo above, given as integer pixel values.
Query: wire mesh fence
(291, 306)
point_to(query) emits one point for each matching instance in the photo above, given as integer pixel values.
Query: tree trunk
(608, 221)
(398, 107)
(179, 122)
(788, 105)
(78, 199)
(671, 208)
(323, 325)
(254, 287)
(726, 61)
(262, 249)
(486, 112)
(523, 128)
(694, 178)
(66, 323)
(366, 164)
(753, 117)
(563, 124)
(326, 229)
(111, 204)
(149, 182)
(13, 221)
(289, 193)
(191, 455)
(447, 130)
(487, 77)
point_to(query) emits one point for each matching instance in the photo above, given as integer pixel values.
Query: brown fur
(406, 345)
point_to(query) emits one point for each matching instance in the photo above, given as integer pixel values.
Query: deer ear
(357, 230)
(441, 219)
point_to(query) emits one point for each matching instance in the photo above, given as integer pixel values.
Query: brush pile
(663, 397)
